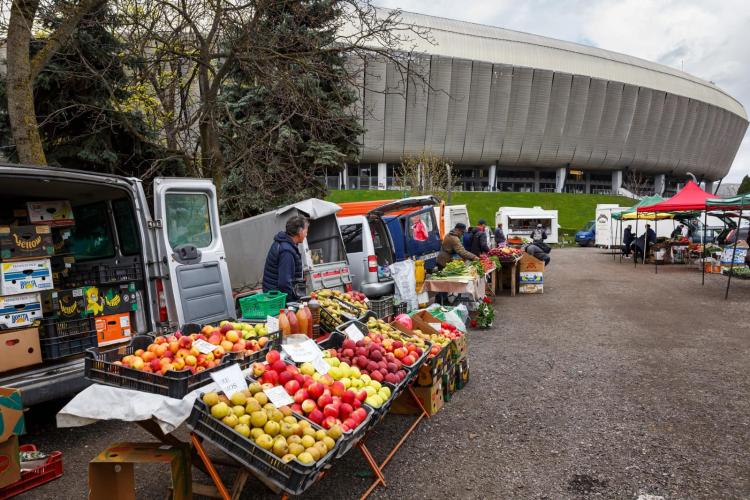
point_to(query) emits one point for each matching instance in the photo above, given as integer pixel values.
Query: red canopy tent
(691, 197)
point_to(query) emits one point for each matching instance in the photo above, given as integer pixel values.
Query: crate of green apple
(326, 401)
(277, 443)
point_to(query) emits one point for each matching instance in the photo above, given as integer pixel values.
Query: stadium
(514, 111)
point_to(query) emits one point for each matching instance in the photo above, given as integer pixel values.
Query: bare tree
(636, 183)
(425, 174)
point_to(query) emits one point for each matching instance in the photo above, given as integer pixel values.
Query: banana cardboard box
(20, 310)
(25, 241)
(53, 213)
(26, 276)
(67, 304)
(110, 299)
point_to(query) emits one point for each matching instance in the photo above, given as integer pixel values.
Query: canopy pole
(612, 237)
(635, 253)
(656, 227)
(703, 251)
(619, 232)
(734, 251)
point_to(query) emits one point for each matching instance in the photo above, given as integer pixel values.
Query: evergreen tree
(744, 186)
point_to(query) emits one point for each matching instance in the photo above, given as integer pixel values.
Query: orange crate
(113, 328)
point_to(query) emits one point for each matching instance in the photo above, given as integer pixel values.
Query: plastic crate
(292, 477)
(119, 274)
(382, 307)
(50, 470)
(260, 305)
(401, 308)
(59, 327)
(62, 347)
(100, 367)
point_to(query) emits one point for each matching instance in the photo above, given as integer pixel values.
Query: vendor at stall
(644, 242)
(452, 247)
(539, 234)
(479, 239)
(677, 232)
(499, 235)
(627, 241)
(283, 269)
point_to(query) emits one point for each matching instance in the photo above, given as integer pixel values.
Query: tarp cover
(648, 200)
(313, 207)
(691, 197)
(733, 203)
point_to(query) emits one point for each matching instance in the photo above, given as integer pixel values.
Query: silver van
(370, 250)
(172, 238)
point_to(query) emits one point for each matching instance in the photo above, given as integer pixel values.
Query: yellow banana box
(110, 299)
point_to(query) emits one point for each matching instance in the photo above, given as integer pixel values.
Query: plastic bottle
(314, 306)
(284, 327)
(293, 324)
(302, 319)
(309, 321)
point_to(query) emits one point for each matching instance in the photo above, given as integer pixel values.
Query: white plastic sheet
(406, 283)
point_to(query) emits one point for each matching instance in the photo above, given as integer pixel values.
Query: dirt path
(614, 383)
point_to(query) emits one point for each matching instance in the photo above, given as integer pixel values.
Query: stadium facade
(519, 112)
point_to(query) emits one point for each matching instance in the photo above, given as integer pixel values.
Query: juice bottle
(308, 314)
(293, 324)
(315, 317)
(284, 326)
(302, 319)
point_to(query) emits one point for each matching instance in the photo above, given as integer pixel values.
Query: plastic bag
(456, 316)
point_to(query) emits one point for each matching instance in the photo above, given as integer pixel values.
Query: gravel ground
(614, 383)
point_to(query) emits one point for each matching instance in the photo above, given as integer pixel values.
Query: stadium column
(345, 176)
(492, 177)
(660, 183)
(710, 187)
(537, 186)
(588, 183)
(560, 179)
(382, 176)
(616, 181)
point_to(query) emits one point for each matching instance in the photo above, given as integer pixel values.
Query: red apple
(330, 411)
(300, 396)
(338, 388)
(344, 411)
(316, 390)
(329, 422)
(316, 416)
(258, 369)
(291, 387)
(308, 406)
(272, 357)
(284, 377)
(348, 397)
(270, 377)
(324, 400)
(279, 366)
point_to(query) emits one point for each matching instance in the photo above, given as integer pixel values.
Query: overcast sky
(710, 38)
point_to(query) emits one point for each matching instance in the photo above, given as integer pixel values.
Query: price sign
(320, 366)
(272, 324)
(353, 333)
(203, 346)
(303, 351)
(436, 326)
(278, 396)
(230, 380)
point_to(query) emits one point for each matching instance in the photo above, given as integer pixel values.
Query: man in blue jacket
(284, 263)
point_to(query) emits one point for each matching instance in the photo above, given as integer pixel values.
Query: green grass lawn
(574, 210)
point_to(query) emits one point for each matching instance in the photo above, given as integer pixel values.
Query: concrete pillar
(560, 179)
(660, 184)
(345, 176)
(537, 187)
(710, 187)
(616, 181)
(382, 176)
(588, 183)
(492, 177)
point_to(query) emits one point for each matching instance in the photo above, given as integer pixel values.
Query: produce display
(327, 402)
(441, 339)
(372, 360)
(176, 352)
(457, 269)
(506, 254)
(276, 430)
(741, 272)
(340, 306)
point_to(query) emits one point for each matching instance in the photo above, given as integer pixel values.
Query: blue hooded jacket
(283, 266)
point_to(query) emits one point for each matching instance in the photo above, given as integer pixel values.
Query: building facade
(518, 112)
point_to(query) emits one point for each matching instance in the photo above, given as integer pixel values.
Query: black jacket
(283, 266)
(479, 242)
(627, 237)
(499, 236)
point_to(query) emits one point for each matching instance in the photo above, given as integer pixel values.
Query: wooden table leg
(513, 280)
(153, 428)
(209, 466)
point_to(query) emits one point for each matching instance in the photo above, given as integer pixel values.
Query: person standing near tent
(452, 247)
(499, 235)
(676, 233)
(685, 230)
(538, 235)
(627, 240)
(479, 239)
(283, 269)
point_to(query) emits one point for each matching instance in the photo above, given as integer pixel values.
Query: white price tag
(272, 324)
(435, 326)
(353, 333)
(303, 351)
(203, 346)
(320, 365)
(278, 396)
(230, 380)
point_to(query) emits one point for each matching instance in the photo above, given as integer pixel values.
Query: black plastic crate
(61, 327)
(292, 477)
(100, 367)
(119, 274)
(62, 347)
(401, 308)
(382, 307)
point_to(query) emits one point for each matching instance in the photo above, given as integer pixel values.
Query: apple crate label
(353, 333)
(303, 351)
(203, 346)
(278, 396)
(436, 327)
(272, 324)
(320, 365)
(230, 380)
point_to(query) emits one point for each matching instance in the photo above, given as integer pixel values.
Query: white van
(172, 239)
(370, 251)
(450, 215)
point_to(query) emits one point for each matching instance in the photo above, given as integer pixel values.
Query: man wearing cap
(452, 245)
(479, 239)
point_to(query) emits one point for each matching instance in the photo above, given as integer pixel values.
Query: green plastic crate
(260, 305)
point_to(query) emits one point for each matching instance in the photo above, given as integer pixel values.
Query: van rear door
(191, 252)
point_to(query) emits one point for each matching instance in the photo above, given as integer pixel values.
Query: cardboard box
(61, 267)
(53, 213)
(430, 397)
(25, 241)
(10, 462)
(423, 320)
(70, 303)
(531, 289)
(62, 240)
(459, 348)
(531, 278)
(111, 473)
(11, 413)
(20, 310)
(26, 276)
(113, 328)
(110, 299)
(530, 264)
(19, 348)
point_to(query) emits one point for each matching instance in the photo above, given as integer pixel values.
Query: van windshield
(352, 235)
(589, 225)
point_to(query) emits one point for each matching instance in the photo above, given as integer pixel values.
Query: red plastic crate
(52, 469)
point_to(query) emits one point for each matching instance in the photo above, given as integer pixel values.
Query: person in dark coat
(283, 268)
(479, 240)
(627, 241)
(499, 235)
(451, 247)
(468, 235)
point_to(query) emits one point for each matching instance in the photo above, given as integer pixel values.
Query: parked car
(174, 245)
(370, 251)
(587, 236)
